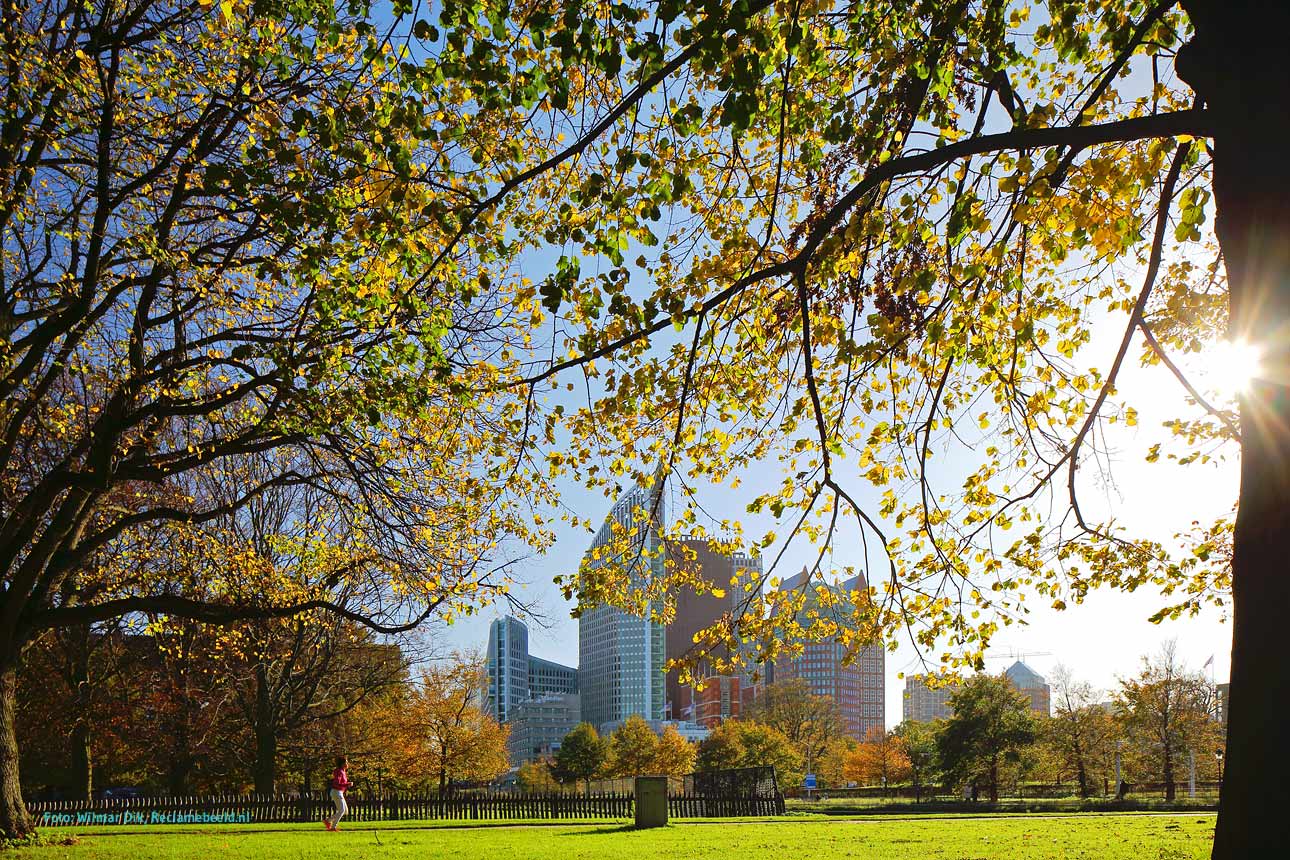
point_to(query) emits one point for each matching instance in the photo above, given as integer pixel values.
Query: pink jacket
(340, 780)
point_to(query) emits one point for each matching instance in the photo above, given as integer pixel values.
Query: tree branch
(1193, 121)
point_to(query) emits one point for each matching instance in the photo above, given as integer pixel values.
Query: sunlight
(1232, 365)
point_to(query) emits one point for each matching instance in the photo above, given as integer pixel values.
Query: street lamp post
(1191, 774)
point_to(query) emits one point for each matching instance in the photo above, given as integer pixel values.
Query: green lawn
(1105, 837)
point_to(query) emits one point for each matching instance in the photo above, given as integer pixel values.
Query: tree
(875, 227)
(633, 748)
(811, 722)
(880, 759)
(75, 704)
(722, 749)
(228, 234)
(935, 219)
(535, 777)
(189, 703)
(443, 734)
(293, 673)
(920, 741)
(990, 726)
(1080, 732)
(583, 755)
(829, 768)
(674, 756)
(742, 743)
(767, 746)
(1167, 716)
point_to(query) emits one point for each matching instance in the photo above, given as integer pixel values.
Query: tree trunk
(177, 771)
(179, 762)
(266, 735)
(1236, 63)
(82, 760)
(79, 643)
(994, 779)
(14, 821)
(266, 759)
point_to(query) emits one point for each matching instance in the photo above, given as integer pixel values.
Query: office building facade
(1032, 685)
(621, 655)
(721, 697)
(514, 675)
(858, 686)
(923, 704)
(548, 678)
(539, 724)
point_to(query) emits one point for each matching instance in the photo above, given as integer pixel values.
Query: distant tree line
(1157, 722)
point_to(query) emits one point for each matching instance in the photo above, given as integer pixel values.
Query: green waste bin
(651, 801)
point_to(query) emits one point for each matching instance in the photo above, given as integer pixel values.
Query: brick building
(720, 698)
(858, 687)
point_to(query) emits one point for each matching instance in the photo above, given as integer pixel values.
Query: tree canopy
(254, 245)
(990, 725)
(440, 734)
(583, 755)
(743, 743)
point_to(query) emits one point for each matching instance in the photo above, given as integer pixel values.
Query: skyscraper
(721, 697)
(621, 656)
(922, 704)
(508, 666)
(1032, 685)
(858, 687)
(514, 675)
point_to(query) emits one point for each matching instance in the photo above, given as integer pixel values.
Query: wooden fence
(1018, 791)
(265, 809)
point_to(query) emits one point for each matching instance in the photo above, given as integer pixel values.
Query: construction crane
(1013, 654)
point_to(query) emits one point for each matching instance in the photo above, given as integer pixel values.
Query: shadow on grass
(603, 831)
(357, 827)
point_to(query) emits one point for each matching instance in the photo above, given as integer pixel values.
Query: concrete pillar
(651, 801)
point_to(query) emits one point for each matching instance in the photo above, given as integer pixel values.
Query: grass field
(1105, 837)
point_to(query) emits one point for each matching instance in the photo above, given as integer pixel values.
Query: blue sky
(1101, 640)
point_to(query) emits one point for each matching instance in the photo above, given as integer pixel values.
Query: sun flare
(1232, 365)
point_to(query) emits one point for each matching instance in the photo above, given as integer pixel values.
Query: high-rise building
(922, 704)
(539, 724)
(720, 697)
(507, 666)
(620, 655)
(1032, 685)
(514, 675)
(858, 687)
(546, 677)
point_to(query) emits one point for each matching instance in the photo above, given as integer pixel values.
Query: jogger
(339, 785)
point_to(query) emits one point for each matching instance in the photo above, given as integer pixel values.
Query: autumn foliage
(880, 759)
